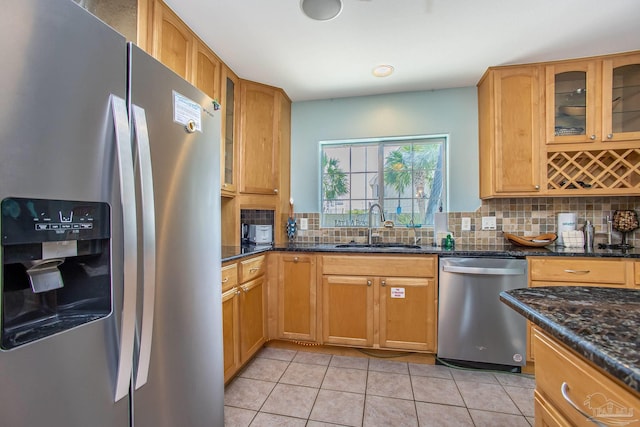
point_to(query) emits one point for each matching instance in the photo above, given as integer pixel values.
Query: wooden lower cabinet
(296, 296)
(546, 415)
(408, 308)
(570, 389)
(395, 312)
(243, 312)
(230, 332)
(347, 313)
(252, 315)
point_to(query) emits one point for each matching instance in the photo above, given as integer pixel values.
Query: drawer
(589, 388)
(637, 268)
(578, 270)
(372, 265)
(229, 276)
(252, 268)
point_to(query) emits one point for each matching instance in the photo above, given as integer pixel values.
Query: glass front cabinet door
(229, 85)
(621, 98)
(572, 95)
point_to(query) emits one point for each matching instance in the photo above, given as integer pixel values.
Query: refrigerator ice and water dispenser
(55, 267)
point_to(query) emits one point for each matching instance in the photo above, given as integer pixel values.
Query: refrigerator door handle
(143, 154)
(128, 201)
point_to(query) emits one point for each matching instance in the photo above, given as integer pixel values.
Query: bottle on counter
(588, 236)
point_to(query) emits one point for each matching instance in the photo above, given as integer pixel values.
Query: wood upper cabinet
(230, 103)
(573, 100)
(259, 138)
(172, 41)
(296, 288)
(621, 98)
(380, 301)
(207, 69)
(594, 100)
(510, 122)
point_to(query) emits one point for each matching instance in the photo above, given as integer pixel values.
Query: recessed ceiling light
(321, 10)
(382, 70)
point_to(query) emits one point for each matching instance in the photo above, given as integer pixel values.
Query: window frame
(381, 143)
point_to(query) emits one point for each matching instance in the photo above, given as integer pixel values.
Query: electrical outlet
(304, 223)
(488, 222)
(466, 224)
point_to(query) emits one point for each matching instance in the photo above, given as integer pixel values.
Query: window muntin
(404, 175)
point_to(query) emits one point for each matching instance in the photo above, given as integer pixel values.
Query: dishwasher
(474, 327)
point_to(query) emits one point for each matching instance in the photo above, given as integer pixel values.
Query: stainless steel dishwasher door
(473, 324)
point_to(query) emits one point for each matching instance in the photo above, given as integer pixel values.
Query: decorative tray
(531, 241)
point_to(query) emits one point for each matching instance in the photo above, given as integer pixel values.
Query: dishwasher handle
(484, 270)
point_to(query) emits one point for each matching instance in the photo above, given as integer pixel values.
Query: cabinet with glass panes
(621, 98)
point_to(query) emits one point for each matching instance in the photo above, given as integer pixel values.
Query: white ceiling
(433, 44)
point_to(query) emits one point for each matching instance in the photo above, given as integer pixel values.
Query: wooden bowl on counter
(531, 241)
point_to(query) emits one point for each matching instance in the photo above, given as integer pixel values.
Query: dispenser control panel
(39, 220)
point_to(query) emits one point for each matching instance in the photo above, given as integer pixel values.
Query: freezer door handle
(484, 270)
(143, 157)
(128, 202)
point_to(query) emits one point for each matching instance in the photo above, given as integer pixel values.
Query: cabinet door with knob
(364, 308)
(621, 98)
(297, 297)
(408, 308)
(573, 98)
(510, 117)
(347, 310)
(259, 137)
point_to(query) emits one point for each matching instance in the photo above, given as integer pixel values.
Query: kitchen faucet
(370, 240)
(416, 239)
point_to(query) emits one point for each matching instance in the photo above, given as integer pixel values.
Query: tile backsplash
(523, 217)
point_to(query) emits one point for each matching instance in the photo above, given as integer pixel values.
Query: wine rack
(614, 171)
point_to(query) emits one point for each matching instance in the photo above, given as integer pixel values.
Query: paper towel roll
(566, 222)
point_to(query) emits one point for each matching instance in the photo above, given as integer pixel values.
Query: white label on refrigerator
(397, 292)
(187, 112)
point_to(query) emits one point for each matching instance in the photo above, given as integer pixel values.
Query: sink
(378, 245)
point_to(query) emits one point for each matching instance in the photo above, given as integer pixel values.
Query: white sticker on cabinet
(397, 292)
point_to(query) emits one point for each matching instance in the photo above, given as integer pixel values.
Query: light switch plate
(304, 223)
(466, 224)
(488, 222)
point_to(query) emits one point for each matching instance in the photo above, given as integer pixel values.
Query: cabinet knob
(383, 283)
(537, 187)
(610, 136)
(275, 190)
(369, 283)
(224, 185)
(296, 259)
(225, 280)
(592, 137)
(238, 292)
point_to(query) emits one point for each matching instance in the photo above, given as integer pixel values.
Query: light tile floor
(282, 387)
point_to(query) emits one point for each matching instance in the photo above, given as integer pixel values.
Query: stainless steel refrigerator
(109, 187)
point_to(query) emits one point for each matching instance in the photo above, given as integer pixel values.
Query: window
(406, 176)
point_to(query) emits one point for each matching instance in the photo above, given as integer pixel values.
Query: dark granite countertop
(230, 253)
(601, 324)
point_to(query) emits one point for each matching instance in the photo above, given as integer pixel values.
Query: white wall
(450, 111)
